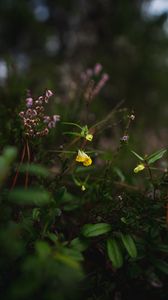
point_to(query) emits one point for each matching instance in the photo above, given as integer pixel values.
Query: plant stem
(17, 170)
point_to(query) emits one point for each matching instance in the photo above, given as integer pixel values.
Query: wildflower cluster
(36, 123)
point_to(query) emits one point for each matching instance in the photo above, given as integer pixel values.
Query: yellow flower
(83, 158)
(139, 168)
(89, 137)
(83, 188)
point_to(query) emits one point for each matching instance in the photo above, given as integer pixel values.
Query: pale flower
(89, 137)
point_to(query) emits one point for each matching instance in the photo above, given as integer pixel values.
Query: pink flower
(47, 119)
(29, 102)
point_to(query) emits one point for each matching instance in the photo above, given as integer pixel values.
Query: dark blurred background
(47, 44)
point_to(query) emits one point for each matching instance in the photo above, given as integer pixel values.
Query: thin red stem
(28, 156)
(17, 170)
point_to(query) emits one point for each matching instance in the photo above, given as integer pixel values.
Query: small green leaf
(129, 244)
(156, 156)
(60, 193)
(114, 253)
(73, 124)
(36, 214)
(36, 197)
(119, 173)
(137, 155)
(72, 133)
(92, 230)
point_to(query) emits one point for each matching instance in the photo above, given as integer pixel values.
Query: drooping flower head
(82, 157)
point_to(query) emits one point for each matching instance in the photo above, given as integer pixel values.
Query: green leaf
(114, 253)
(10, 154)
(43, 249)
(72, 133)
(4, 169)
(34, 169)
(81, 169)
(129, 245)
(137, 155)
(119, 173)
(36, 214)
(36, 197)
(6, 159)
(52, 236)
(162, 248)
(60, 193)
(73, 253)
(73, 124)
(92, 230)
(156, 156)
(67, 260)
(161, 265)
(79, 244)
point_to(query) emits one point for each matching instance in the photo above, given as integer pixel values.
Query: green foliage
(129, 245)
(156, 156)
(92, 230)
(114, 253)
(6, 160)
(31, 197)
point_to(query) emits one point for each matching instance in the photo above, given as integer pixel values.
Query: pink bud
(97, 69)
(21, 114)
(56, 118)
(48, 93)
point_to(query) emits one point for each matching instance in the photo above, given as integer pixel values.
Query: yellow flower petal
(139, 168)
(89, 137)
(83, 158)
(87, 162)
(80, 158)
